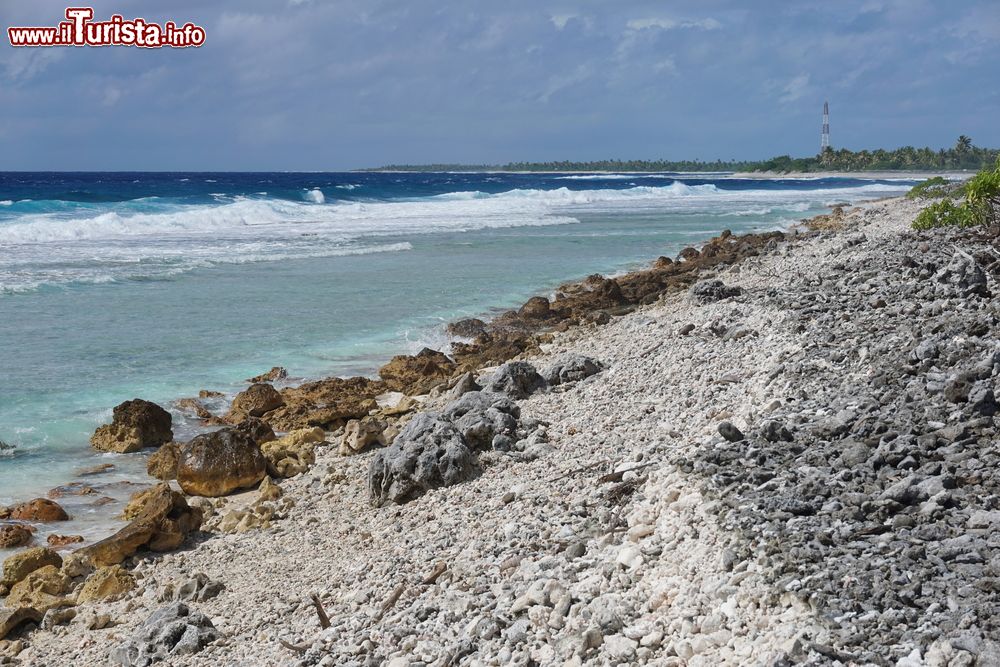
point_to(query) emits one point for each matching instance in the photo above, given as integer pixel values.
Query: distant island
(962, 156)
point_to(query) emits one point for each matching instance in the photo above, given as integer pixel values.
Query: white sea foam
(612, 177)
(348, 186)
(315, 196)
(91, 243)
(6, 202)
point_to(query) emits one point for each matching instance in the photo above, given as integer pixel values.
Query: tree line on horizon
(963, 155)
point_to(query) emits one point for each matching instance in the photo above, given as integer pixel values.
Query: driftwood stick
(391, 600)
(585, 468)
(293, 647)
(617, 476)
(438, 570)
(324, 620)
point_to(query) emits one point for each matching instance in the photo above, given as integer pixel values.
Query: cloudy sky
(340, 84)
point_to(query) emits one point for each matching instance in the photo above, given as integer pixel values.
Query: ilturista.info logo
(80, 29)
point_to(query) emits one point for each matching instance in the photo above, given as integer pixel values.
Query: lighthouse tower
(824, 137)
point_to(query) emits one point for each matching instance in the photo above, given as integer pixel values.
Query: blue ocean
(158, 285)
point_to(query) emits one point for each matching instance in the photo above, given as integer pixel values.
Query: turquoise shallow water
(83, 328)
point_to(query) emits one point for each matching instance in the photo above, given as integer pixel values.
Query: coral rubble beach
(780, 449)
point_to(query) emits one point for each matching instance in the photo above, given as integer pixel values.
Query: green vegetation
(935, 188)
(981, 205)
(963, 155)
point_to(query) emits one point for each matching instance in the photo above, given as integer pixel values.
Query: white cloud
(671, 24)
(795, 89)
(560, 20)
(21, 65)
(111, 96)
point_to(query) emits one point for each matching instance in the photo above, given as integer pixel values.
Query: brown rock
(417, 374)
(268, 490)
(94, 470)
(536, 308)
(137, 424)
(328, 403)
(162, 464)
(21, 564)
(689, 254)
(39, 509)
(71, 489)
(258, 429)
(276, 373)
(293, 453)
(13, 535)
(60, 541)
(10, 619)
(162, 525)
(360, 434)
(206, 393)
(194, 406)
(254, 401)
(137, 503)
(218, 463)
(106, 583)
(41, 589)
(467, 328)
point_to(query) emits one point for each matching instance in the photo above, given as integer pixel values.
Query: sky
(337, 84)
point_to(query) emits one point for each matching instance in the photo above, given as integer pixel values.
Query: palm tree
(963, 144)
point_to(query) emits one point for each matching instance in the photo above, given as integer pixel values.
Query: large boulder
(14, 535)
(328, 403)
(162, 524)
(536, 308)
(571, 368)
(516, 380)
(41, 510)
(254, 401)
(467, 328)
(258, 429)
(135, 425)
(11, 619)
(417, 374)
(218, 463)
(428, 453)
(162, 464)
(168, 634)
(482, 416)
(106, 583)
(294, 452)
(42, 589)
(20, 565)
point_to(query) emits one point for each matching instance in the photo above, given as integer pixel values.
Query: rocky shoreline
(777, 449)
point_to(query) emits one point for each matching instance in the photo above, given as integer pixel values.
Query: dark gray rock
(169, 632)
(480, 401)
(515, 379)
(428, 453)
(463, 385)
(728, 431)
(710, 291)
(571, 368)
(773, 431)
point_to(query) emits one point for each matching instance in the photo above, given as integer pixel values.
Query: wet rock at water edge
(218, 463)
(135, 425)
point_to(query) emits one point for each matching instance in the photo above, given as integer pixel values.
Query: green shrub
(932, 188)
(981, 204)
